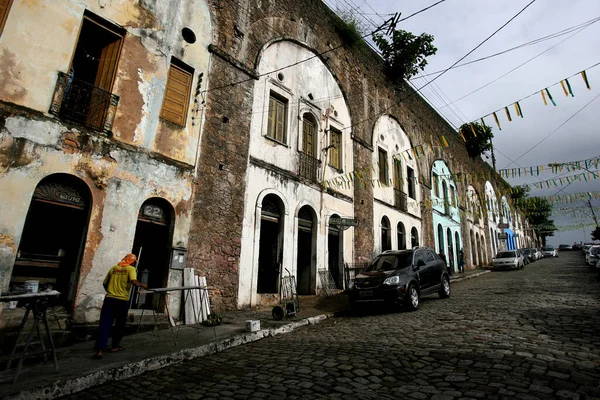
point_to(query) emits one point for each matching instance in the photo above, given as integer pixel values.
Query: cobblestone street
(531, 334)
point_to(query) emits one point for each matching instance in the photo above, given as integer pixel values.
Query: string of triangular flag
(360, 176)
(552, 167)
(545, 94)
(584, 176)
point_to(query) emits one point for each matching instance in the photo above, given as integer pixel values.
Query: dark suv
(400, 278)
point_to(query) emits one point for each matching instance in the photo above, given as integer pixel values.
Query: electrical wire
(447, 69)
(554, 131)
(530, 43)
(517, 67)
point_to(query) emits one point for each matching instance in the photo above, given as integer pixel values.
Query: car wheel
(413, 298)
(445, 289)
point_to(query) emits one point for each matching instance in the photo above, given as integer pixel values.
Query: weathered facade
(95, 160)
(211, 125)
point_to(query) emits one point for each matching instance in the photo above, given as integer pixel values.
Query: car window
(390, 262)
(419, 256)
(506, 254)
(430, 257)
(548, 249)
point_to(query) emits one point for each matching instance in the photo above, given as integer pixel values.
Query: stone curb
(471, 276)
(70, 386)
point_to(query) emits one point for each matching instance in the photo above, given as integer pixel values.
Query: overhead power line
(554, 131)
(530, 43)
(447, 69)
(517, 67)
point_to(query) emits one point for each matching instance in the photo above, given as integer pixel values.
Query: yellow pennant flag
(473, 130)
(507, 114)
(564, 88)
(544, 97)
(496, 119)
(462, 135)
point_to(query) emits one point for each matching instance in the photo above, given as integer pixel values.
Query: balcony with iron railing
(309, 167)
(78, 101)
(400, 200)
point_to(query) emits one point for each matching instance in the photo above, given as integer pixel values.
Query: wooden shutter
(4, 9)
(397, 174)
(276, 128)
(308, 137)
(177, 95)
(108, 65)
(335, 152)
(383, 172)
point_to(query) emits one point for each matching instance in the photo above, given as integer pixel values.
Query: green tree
(538, 210)
(404, 54)
(596, 233)
(478, 143)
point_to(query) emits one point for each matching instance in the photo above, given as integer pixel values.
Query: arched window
(401, 236)
(386, 234)
(414, 237)
(309, 135)
(440, 234)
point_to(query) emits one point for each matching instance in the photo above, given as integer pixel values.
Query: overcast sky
(460, 25)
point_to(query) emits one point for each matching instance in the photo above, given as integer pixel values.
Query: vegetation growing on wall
(350, 28)
(478, 138)
(404, 54)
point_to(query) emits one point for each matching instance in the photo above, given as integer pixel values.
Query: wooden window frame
(308, 120)
(335, 153)
(435, 182)
(384, 175)
(271, 122)
(398, 173)
(412, 185)
(4, 18)
(185, 70)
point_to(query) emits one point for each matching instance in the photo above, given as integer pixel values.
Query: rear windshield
(390, 262)
(526, 251)
(594, 250)
(507, 254)
(548, 248)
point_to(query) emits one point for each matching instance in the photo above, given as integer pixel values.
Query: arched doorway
(478, 247)
(473, 248)
(386, 234)
(335, 240)
(53, 239)
(153, 243)
(458, 247)
(414, 237)
(450, 250)
(401, 236)
(271, 244)
(440, 234)
(307, 245)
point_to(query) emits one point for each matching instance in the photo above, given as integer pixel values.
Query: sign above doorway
(343, 223)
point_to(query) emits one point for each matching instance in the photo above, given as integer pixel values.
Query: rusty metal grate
(309, 167)
(81, 102)
(400, 200)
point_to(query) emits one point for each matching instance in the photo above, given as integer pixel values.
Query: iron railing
(350, 272)
(309, 167)
(81, 102)
(400, 201)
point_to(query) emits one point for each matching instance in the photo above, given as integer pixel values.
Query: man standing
(117, 284)
(461, 261)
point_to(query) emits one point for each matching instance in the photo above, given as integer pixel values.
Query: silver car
(511, 259)
(591, 255)
(549, 251)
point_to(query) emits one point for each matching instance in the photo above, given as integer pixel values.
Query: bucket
(32, 286)
(253, 325)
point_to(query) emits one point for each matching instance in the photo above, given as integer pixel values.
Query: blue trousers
(113, 310)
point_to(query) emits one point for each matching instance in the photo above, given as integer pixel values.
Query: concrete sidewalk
(154, 350)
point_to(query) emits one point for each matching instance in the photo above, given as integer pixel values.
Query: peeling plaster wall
(293, 196)
(40, 37)
(145, 156)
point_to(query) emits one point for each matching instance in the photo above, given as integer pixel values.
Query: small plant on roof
(404, 54)
(478, 138)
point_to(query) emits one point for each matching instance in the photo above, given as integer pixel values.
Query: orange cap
(127, 260)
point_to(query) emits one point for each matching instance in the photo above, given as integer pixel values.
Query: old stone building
(99, 131)
(211, 126)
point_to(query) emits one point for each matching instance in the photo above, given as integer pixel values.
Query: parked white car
(591, 255)
(549, 251)
(511, 259)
